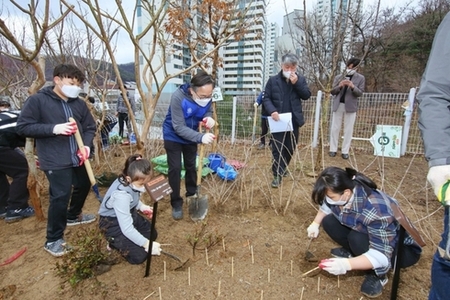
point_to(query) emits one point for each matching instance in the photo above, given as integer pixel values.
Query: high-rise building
(244, 60)
(291, 36)
(272, 33)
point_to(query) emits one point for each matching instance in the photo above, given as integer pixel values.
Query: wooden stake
(160, 296)
(268, 275)
(232, 267)
(301, 295)
(218, 290)
(338, 281)
(223, 243)
(248, 244)
(318, 284)
(281, 252)
(206, 252)
(310, 271)
(292, 262)
(189, 275)
(253, 258)
(148, 296)
(262, 294)
(164, 270)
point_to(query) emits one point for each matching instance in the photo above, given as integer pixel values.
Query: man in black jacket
(13, 197)
(45, 117)
(283, 94)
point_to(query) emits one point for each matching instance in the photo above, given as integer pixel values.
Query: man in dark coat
(283, 94)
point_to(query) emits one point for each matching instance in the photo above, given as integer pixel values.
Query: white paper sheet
(282, 125)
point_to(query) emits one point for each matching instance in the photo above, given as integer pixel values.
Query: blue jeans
(440, 269)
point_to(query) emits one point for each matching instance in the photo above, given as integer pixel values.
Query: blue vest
(193, 114)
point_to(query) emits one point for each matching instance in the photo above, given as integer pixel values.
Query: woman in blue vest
(190, 104)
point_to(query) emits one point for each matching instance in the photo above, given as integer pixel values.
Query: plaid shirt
(372, 215)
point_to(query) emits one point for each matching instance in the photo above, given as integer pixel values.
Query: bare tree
(22, 48)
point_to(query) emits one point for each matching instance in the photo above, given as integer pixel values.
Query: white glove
(156, 248)
(209, 122)
(255, 104)
(68, 128)
(335, 266)
(146, 210)
(437, 176)
(313, 230)
(208, 138)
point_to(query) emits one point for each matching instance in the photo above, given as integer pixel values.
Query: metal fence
(374, 109)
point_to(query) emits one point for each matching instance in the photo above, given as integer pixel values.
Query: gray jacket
(434, 99)
(351, 96)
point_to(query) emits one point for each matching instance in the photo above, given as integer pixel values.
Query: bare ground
(260, 233)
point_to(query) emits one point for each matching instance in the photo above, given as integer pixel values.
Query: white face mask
(139, 189)
(287, 74)
(202, 102)
(70, 91)
(350, 71)
(332, 202)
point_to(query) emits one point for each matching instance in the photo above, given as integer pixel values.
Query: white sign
(217, 94)
(386, 140)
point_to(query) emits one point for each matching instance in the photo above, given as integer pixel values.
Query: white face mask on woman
(202, 102)
(350, 71)
(70, 91)
(139, 189)
(332, 202)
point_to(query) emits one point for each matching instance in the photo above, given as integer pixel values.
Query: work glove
(208, 138)
(146, 210)
(83, 155)
(437, 177)
(255, 104)
(68, 128)
(209, 122)
(313, 230)
(335, 266)
(156, 248)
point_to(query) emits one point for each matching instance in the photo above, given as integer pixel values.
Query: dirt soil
(251, 246)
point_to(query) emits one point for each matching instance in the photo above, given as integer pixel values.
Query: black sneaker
(332, 154)
(372, 285)
(276, 182)
(2, 212)
(340, 252)
(13, 215)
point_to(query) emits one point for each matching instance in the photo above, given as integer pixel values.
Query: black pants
(264, 130)
(14, 165)
(174, 151)
(283, 147)
(123, 119)
(134, 254)
(357, 243)
(60, 191)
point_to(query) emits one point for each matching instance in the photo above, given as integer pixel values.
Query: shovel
(309, 256)
(198, 204)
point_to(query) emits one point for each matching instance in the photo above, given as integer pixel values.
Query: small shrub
(89, 251)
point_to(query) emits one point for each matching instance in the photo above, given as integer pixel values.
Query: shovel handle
(87, 163)
(200, 156)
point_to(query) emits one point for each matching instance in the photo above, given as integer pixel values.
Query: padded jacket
(277, 91)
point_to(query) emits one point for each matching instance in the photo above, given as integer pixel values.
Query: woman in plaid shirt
(359, 217)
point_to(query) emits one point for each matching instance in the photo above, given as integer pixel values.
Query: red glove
(83, 155)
